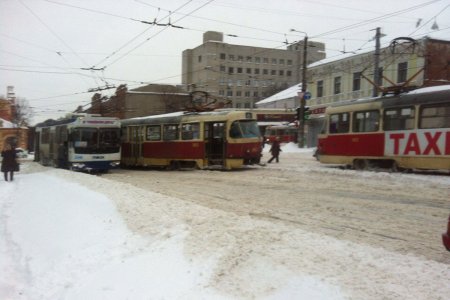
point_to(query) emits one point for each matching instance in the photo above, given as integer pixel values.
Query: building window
(249, 71)
(238, 93)
(256, 71)
(281, 61)
(402, 72)
(229, 93)
(356, 81)
(255, 94)
(289, 62)
(239, 70)
(281, 72)
(257, 60)
(240, 58)
(337, 85)
(238, 82)
(246, 105)
(230, 70)
(223, 55)
(223, 68)
(238, 105)
(274, 61)
(319, 88)
(247, 93)
(221, 92)
(273, 72)
(265, 72)
(289, 73)
(199, 58)
(265, 60)
(248, 59)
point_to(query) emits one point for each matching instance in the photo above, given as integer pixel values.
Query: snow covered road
(101, 237)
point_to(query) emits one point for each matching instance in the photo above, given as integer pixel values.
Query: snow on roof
(431, 89)
(285, 94)
(6, 124)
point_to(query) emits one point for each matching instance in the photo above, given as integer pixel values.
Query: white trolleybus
(80, 142)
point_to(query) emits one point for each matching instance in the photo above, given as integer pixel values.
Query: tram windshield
(244, 129)
(93, 140)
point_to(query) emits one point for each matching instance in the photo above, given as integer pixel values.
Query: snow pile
(91, 238)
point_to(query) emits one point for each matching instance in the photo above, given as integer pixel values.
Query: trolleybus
(216, 139)
(406, 131)
(80, 142)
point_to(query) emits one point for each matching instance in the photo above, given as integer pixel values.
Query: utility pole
(376, 73)
(301, 117)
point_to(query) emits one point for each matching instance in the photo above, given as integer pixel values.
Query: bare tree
(21, 113)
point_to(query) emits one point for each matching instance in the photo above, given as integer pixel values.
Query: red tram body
(407, 131)
(218, 139)
(286, 133)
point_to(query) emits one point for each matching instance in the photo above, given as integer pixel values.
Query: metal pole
(376, 73)
(301, 124)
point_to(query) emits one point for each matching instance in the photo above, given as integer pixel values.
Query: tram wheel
(360, 164)
(395, 168)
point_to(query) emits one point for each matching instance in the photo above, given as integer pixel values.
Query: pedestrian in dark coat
(9, 163)
(275, 150)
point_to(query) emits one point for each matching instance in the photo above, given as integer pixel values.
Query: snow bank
(68, 235)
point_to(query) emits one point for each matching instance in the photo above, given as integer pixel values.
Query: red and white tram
(285, 133)
(217, 139)
(407, 131)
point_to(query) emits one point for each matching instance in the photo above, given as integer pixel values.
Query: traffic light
(297, 113)
(306, 113)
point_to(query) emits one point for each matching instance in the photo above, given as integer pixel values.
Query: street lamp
(301, 118)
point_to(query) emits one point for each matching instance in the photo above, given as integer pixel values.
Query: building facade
(11, 133)
(413, 64)
(152, 99)
(244, 74)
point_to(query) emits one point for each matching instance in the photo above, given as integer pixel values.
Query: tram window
(153, 133)
(190, 131)
(366, 121)
(244, 129)
(400, 118)
(436, 116)
(45, 136)
(339, 123)
(218, 130)
(170, 132)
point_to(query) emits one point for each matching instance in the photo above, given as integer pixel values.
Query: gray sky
(47, 45)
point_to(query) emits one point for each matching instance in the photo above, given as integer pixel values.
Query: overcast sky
(48, 46)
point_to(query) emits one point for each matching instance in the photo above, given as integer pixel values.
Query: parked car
(21, 153)
(446, 236)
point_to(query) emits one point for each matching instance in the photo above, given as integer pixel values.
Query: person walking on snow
(275, 150)
(9, 163)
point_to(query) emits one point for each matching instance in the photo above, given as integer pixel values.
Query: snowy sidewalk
(62, 237)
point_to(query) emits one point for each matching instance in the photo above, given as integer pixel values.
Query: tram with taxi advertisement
(405, 131)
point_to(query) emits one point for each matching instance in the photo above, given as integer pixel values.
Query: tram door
(215, 142)
(135, 144)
